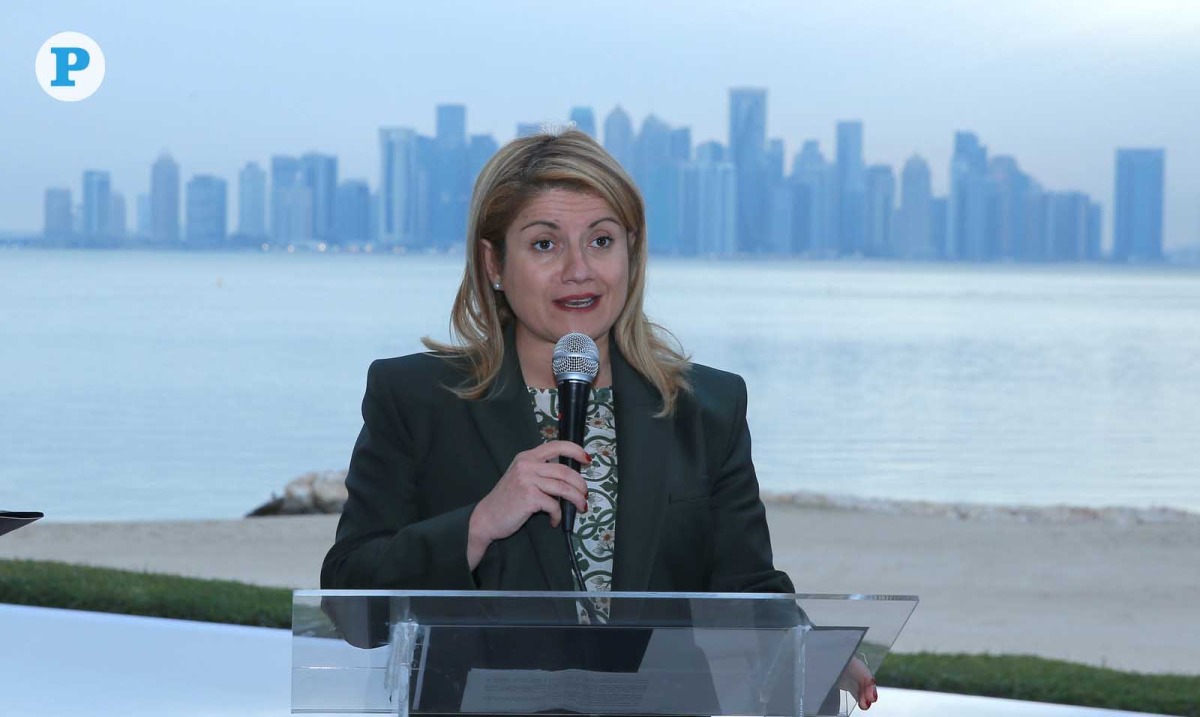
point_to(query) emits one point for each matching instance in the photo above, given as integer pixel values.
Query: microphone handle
(572, 423)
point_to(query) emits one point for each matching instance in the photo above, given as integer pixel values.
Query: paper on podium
(669, 680)
(11, 520)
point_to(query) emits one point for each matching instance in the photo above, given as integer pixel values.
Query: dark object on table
(10, 520)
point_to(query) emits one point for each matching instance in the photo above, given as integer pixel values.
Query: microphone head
(576, 358)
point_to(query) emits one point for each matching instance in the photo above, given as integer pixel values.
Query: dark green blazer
(689, 516)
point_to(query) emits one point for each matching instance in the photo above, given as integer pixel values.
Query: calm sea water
(175, 385)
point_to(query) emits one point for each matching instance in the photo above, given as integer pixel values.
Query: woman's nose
(577, 267)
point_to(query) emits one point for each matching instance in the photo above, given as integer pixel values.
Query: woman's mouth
(578, 303)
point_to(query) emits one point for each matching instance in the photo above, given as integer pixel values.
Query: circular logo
(70, 66)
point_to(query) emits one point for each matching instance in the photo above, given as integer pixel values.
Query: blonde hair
(520, 171)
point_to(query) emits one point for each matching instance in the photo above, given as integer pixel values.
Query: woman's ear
(491, 260)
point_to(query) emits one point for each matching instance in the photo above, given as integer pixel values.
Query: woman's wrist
(477, 540)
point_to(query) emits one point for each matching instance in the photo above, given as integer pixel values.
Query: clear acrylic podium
(503, 653)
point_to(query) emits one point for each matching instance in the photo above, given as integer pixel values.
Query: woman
(454, 482)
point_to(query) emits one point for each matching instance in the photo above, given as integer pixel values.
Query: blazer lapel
(643, 459)
(506, 424)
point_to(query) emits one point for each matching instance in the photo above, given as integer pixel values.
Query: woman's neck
(537, 358)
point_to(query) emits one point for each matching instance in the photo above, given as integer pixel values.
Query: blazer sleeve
(742, 559)
(382, 541)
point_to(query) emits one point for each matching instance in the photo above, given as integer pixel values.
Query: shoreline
(963, 510)
(1095, 588)
(1061, 513)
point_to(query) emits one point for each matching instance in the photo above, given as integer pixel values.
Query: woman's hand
(858, 681)
(533, 483)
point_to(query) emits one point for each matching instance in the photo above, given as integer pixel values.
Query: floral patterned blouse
(595, 531)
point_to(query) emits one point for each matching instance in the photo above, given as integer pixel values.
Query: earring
(496, 286)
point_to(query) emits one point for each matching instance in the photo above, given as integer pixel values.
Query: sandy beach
(1120, 589)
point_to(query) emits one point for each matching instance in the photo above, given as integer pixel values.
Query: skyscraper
(781, 209)
(482, 147)
(206, 210)
(851, 187)
(97, 203)
(116, 216)
(1008, 222)
(618, 137)
(1067, 216)
(913, 233)
(967, 209)
(400, 187)
(252, 201)
(657, 176)
(353, 212)
(164, 200)
(57, 219)
(880, 205)
(291, 201)
(451, 184)
(1138, 205)
(1095, 232)
(585, 120)
(814, 194)
(651, 149)
(681, 144)
(775, 160)
(708, 204)
(747, 150)
(711, 152)
(320, 172)
(939, 219)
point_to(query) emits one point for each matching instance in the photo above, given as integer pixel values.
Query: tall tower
(291, 201)
(252, 201)
(851, 187)
(400, 187)
(814, 194)
(584, 119)
(451, 183)
(164, 200)
(97, 202)
(708, 203)
(967, 208)
(880, 205)
(57, 225)
(618, 137)
(747, 151)
(914, 235)
(1138, 205)
(206, 213)
(321, 178)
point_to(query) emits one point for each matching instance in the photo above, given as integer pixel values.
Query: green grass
(1024, 677)
(46, 584)
(1011, 676)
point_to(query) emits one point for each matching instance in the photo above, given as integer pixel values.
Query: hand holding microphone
(534, 481)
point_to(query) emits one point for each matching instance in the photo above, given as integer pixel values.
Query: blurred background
(953, 247)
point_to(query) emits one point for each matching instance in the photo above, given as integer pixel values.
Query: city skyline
(742, 198)
(746, 114)
(1059, 86)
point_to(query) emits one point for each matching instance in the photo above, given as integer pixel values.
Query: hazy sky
(1058, 84)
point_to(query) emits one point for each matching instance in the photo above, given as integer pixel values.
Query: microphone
(576, 363)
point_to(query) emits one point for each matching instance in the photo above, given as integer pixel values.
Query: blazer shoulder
(421, 374)
(717, 390)
(719, 398)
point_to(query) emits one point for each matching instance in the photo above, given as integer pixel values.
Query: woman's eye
(543, 245)
(603, 241)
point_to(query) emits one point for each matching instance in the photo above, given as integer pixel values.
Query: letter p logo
(70, 66)
(66, 61)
